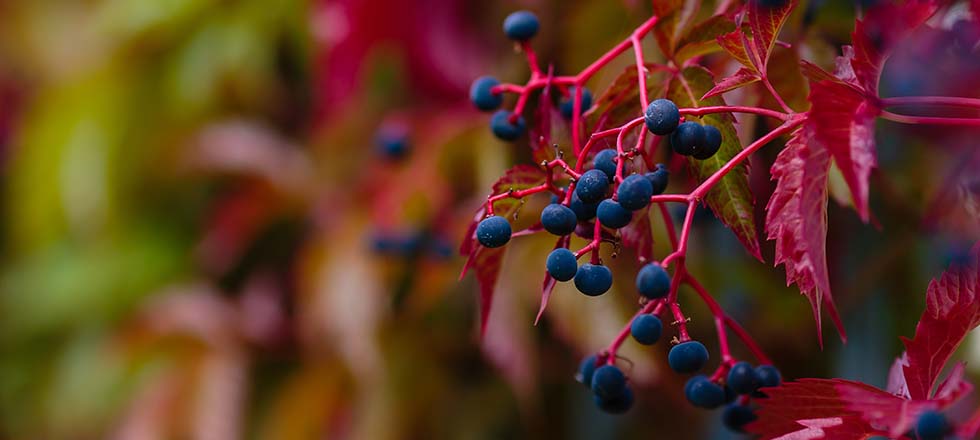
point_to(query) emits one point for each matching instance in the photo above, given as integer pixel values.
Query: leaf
(486, 262)
(549, 283)
(809, 409)
(765, 23)
(732, 43)
(741, 78)
(881, 29)
(548, 124)
(896, 377)
(796, 217)
(702, 38)
(675, 16)
(620, 102)
(639, 235)
(952, 310)
(731, 199)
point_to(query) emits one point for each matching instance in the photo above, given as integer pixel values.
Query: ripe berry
(567, 105)
(502, 127)
(493, 232)
(646, 329)
(613, 215)
(616, 405)
(652, 281)
(658, 179)
(583, 211)
(608, 382)
(586, 369)
(768, 376)
(687, 138)
(562, 264)
(392, 143)
(742, 378)
(593, 279)
(558, 219)
(661, 117)
(592, 186)
(932, 425)
(688, 357)
(482, 96)
(605, 160)
(712, 142)
(521, 25)
(735, 417)
(634, 192)
(703, 393)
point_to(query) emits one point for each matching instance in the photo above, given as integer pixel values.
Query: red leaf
(809, 409)
(732, 43)
(952, 310)
(882, 27)
(896, 377)
(796, 217)
(549, 283)
(639, 235)
(882, 410)
(765, 23)
(741, 78)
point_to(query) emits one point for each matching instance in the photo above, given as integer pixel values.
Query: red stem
(930, 120)
(701, 111)
(931, 100)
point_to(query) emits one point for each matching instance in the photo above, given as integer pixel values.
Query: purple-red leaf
(487, 262)
(732, 43)
(765, 23)
(809, 409)
(549, 283)
(743, 77)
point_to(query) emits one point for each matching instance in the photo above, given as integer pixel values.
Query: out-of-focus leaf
(549, 283)
(741, 78)
(675, 17)
(765, 23)
(620, 101)
(732, 43)
(702, 38)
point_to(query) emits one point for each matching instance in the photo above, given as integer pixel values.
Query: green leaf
(731, 199)
(702, 38)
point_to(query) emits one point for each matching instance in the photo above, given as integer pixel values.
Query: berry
(742, 378)
(502, 127)
(646, 329)
(613, 215)
(662, 117)
(735, 417)
(616, 405)
(562, 264)
(592, 186)
(392, 143)
(605, 161)
(658, 179)
(768, 376)
(634, 192)
(582, 210)
(567, 106)
(932, 425)
(521, 25)
(558, 219)
(493, 232)
(712, 142)
(608, 382)
(687, 357)
(652, 281)
(593, 279)
(482, 96)
(586, 369)
(687, 138)
(703, 393)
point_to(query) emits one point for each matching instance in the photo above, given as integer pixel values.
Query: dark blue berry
(562, 264)
(712, 142)
(586, 369)
(661, 117)
(482, 96)
(605, 161)
(608, 382)
(558, 219)
(703, 393)
(646, 329)
(688, 137)
(493, 231)
(634, 192)
(521, 25)
(593, 279)
(502, 127)
(567, 105)
(613, 215)
(768, 376)
(742, 378)
(592, 186)
(932, 425)
(652, 281)
(583, 211)
(735, 417)
(658, 179)
(616, 405)
(687, 357)
(392, 143)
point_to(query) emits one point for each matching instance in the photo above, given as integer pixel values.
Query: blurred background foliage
(200, 240)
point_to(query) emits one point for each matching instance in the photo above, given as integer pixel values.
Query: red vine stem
(930, 120)
(931, 100)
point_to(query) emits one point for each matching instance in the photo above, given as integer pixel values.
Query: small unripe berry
(586, 369)
(652, 281)
(583, 211)
(608, 382)
(661, 117)
(593, 279)
(646, 329)
(703, 393)
(558, 219)
(482, 96)
(592, 186)
(521, 25)
(735, 417)
(562, 264)
(931, 425)
(567, 105)
(742, 378)
(712, 142)
(493, 232)
(502, 127)
(688, 137)
(688, 357)
(634, 192)
(605, 161)
(613, 215)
